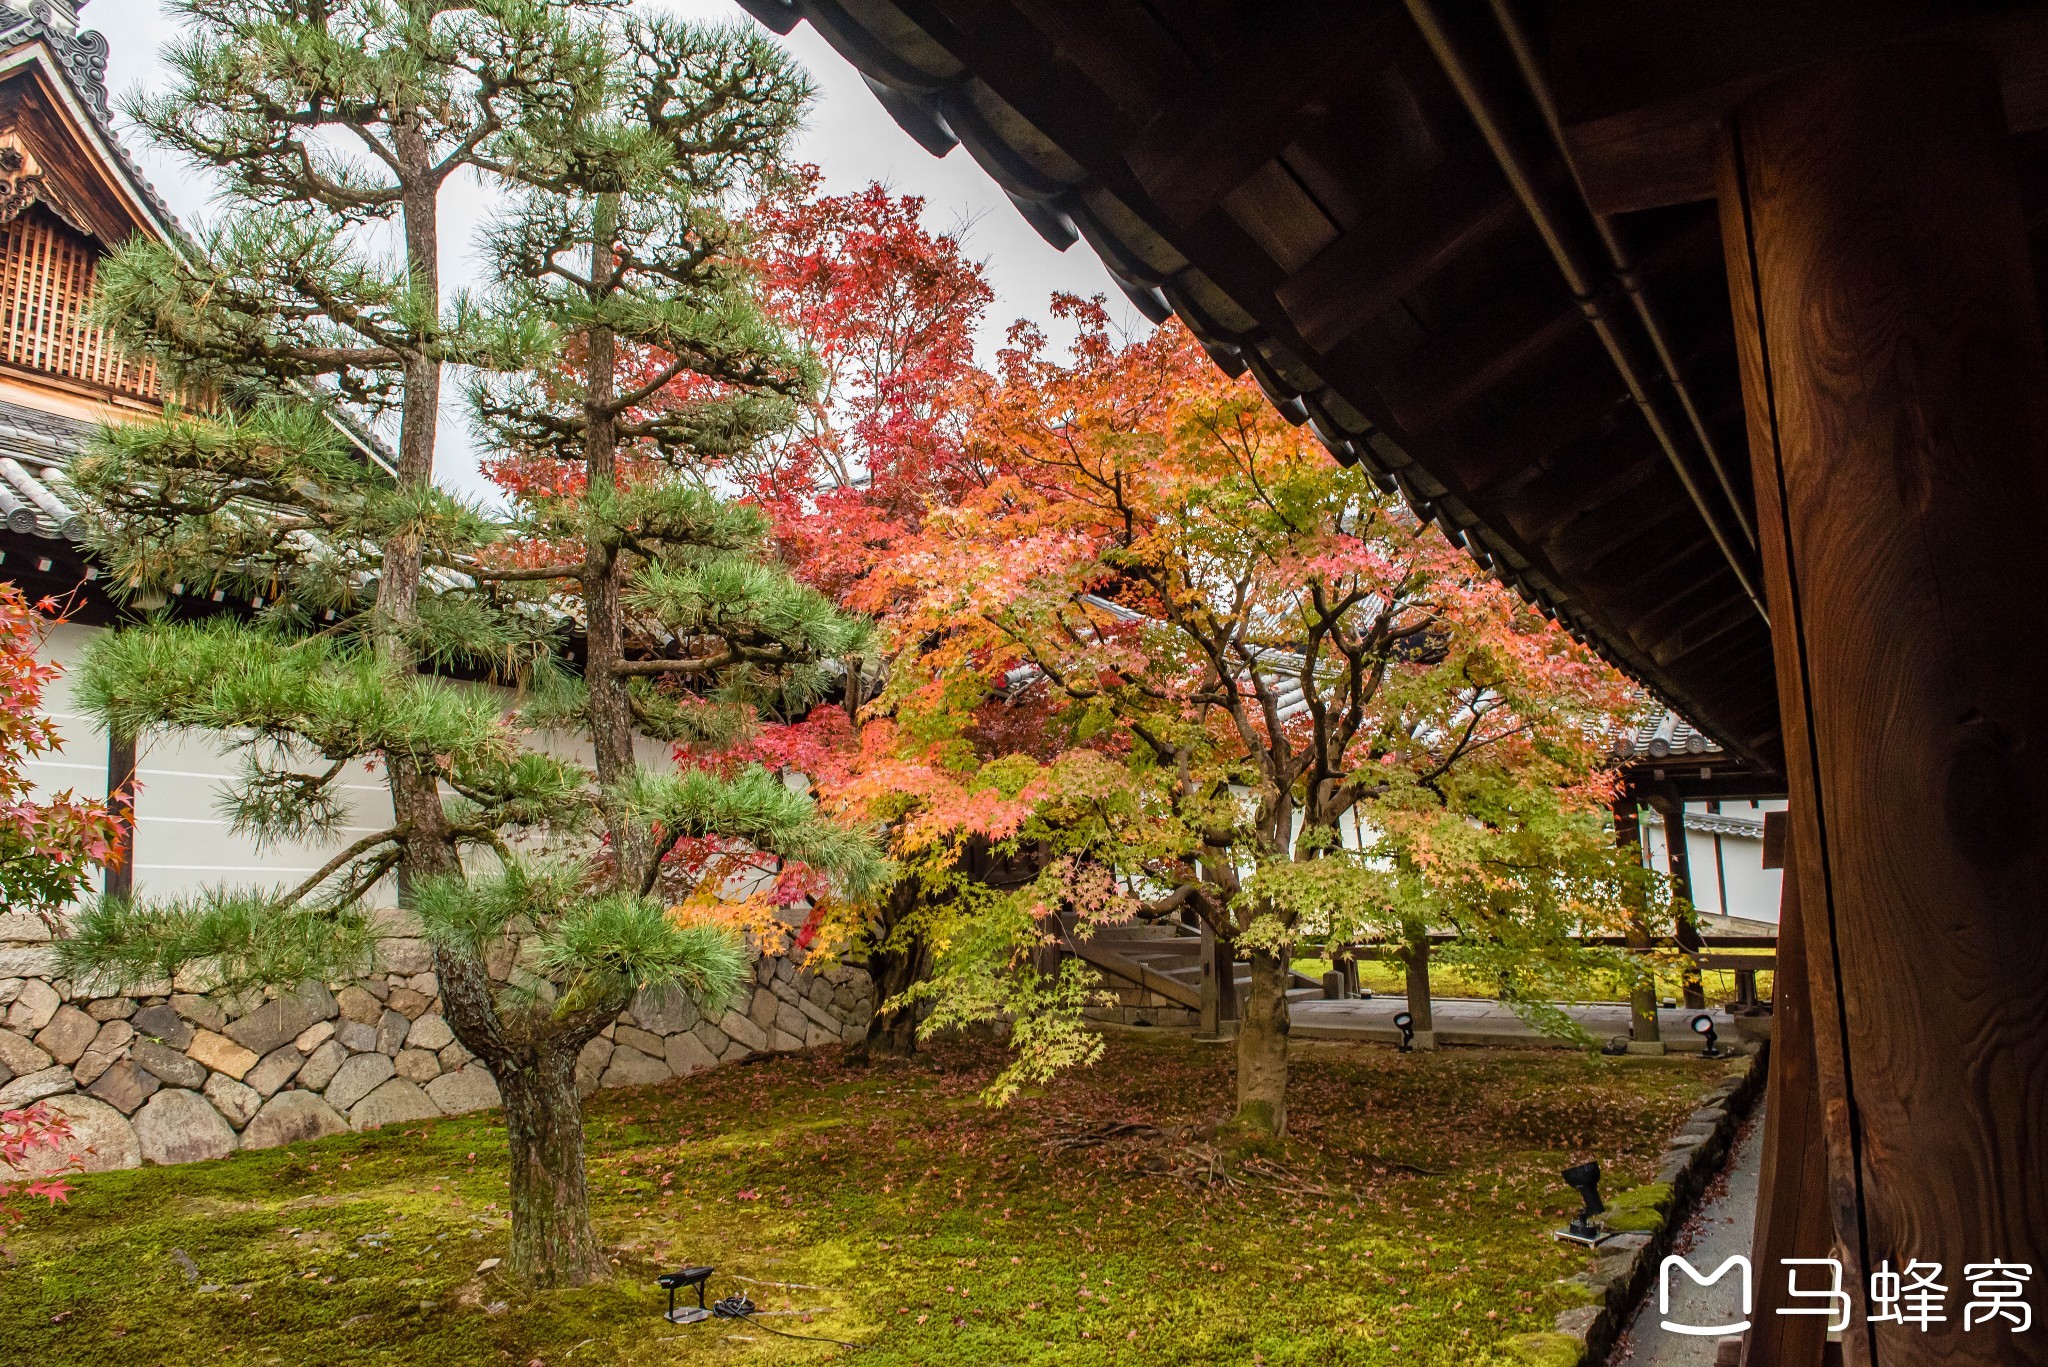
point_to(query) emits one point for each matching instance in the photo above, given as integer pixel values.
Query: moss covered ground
(1406, 1222)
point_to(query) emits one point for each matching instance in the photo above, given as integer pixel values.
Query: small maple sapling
(48, 844)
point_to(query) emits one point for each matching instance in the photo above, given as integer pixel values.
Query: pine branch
(346, 855)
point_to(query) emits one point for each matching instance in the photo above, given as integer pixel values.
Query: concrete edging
(1627, 1262)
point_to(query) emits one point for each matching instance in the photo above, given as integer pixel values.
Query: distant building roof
(1664, 755)
(81, 54)
(35, 499)
(1662, 734)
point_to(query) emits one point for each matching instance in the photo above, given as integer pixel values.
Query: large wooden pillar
(1792, 1219)
(1897, 391)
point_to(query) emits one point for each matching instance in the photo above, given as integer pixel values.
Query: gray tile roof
(35, 498)
(1662, 734)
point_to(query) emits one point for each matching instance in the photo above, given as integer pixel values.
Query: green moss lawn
(1406, 1222)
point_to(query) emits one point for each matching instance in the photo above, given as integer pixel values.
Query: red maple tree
(888, 308)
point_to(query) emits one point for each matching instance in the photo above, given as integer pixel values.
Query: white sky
(848, 136)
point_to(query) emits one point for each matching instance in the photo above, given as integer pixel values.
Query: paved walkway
(1720, 1228)
(1478, 1020)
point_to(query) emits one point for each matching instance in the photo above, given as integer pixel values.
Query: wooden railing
(46, 280)
(1760, 956)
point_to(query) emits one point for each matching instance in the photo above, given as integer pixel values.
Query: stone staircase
(1164, 958)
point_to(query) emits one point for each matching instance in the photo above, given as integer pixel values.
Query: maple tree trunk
(552, 1243)
(892, 1031)
(1415, 958)
(1642, 998)
(1262, 1047)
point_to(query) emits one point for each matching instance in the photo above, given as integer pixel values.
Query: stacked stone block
(171, 1073)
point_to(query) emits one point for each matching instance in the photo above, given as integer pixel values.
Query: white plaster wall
(182, 841)
(81, 765)
(1752, 890)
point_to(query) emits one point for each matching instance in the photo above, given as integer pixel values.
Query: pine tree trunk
(1262, 1047)
(427, 848)
(1415, 957)
(611, 709)
(552, 1243)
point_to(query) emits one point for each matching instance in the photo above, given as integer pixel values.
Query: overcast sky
(848, 136)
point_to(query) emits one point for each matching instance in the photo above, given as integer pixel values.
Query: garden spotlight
(1405, 1023)
(1584, 1178)
(1703, 1024)
(689, 1276)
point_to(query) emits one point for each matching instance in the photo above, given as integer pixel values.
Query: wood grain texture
(1792, 1219)
(1803, 819)
(1897, 391)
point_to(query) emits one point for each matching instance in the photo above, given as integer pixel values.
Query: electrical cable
(738, 1307)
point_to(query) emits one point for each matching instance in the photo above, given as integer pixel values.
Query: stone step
(1138, 933)
(1156, 954)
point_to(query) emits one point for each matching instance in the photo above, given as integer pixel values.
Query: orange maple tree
(1268, 684)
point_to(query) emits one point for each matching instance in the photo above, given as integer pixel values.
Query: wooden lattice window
(46, 276)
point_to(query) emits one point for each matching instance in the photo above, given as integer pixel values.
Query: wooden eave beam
(1457, 369)
(1504, 453)
(1365, 272)
(1647, 86)
(73, 168)
(1240, 116)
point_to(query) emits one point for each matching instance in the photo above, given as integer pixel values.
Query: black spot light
(1584, 1178)
(1703, 1024)
(1405, 1023)
(689, 1276)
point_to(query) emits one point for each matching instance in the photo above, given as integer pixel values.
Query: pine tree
(369, 587)
(632, 361)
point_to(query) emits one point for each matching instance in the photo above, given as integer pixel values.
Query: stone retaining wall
(169, 1073)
